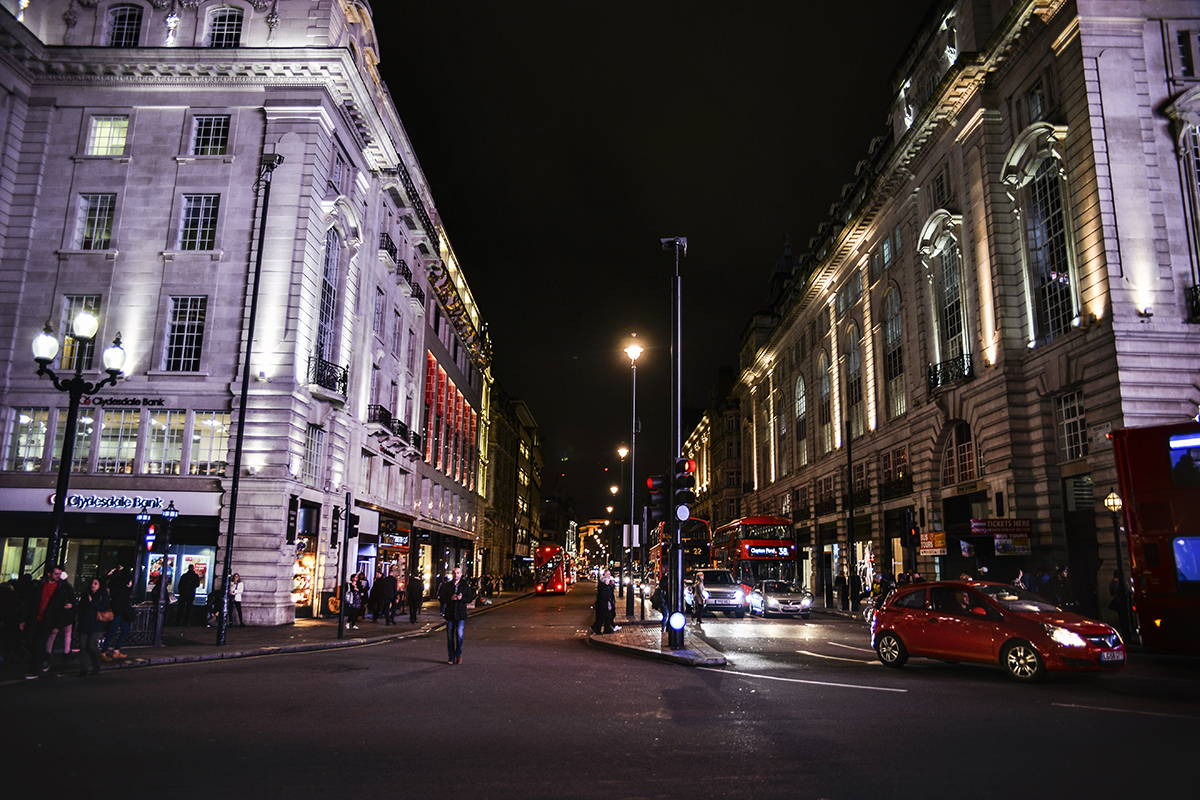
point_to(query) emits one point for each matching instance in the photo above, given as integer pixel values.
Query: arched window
(327, 313)
(124, 26)
(1036, 180)
(825, 405)
(801, 423)
(951, 331)
(893, 355)
(960, 461)
(854, 382)
(225, 27)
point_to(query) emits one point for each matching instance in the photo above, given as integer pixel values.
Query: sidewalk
(188, 644)
(646, 638)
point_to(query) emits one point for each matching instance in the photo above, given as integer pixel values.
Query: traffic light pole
(341, 588)
(679, 245)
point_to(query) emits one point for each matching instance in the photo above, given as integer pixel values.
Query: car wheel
(741, 614)
(1022, 662)
(891, 650)
(804, 616)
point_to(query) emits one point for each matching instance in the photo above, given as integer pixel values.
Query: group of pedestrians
(383, 599)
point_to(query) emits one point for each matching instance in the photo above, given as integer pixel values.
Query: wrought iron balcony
(1191, 297)
(418, 294)
(901, 487)
(378, 415)
(388, 246)
(328, 375)
(400, 428)
(416, 440)
(948, 372)
(405, 272)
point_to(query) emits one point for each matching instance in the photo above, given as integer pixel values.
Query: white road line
(835, 658)
(852, 647)
(798, 680)
(1123, 711)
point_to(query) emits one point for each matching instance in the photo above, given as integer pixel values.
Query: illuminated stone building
(137, 136)
(1011, 274)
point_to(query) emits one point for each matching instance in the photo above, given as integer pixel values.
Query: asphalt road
(802, 711)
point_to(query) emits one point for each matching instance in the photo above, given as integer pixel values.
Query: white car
(780, 597)
(721, 593)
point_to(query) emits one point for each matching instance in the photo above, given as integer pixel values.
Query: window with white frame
(94, 214)
(210, 443)
(75, 353)
(801, 423)
(27, 439)
(210, 135)
(107, 135)
(854, 382)
(1072, 426)
(327, 313)
(225, 27)
(118, 441)
(198, 222)
(951, 329)
(377, 317)
(124, 26)
(824, 405)
(84, 426)
(959, 459)
(894, 464)
(310, 468)
(185, 334)
(893, 355)
(397, 333)
(164, 443)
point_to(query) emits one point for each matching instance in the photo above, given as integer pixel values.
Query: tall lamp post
(620, 537)
(143, 521)
(1114, 504)
(168, 514)
(633, 351)
(45, 348)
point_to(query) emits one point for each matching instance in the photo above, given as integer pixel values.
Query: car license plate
(1112, 656)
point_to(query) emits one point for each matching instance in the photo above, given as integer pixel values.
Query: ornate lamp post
(169, 514)
(1114, 504)
(45, 348)
(633, 351)
(143, 521)
(620, 538)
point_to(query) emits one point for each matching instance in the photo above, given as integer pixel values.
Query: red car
(992, 623)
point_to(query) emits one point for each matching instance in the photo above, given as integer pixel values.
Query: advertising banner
(933, 543)
(1011, 536)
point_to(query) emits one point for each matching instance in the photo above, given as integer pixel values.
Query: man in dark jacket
(51, 608)
(606, 605)
(414, 591)
(120, 593)
(388, 589)
(188, 584)
(454, 596)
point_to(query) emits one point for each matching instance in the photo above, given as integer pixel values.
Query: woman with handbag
(354, 601)
(95, 612)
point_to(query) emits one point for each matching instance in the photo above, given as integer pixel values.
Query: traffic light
(351, 526)
(656, 508)
(683, 486)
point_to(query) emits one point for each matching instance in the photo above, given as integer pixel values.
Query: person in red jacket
(51, 609)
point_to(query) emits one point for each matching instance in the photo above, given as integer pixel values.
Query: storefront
(100, 532)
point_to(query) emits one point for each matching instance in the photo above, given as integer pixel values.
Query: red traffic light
(685, 465)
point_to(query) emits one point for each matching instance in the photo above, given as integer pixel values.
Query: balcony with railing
(859, 498)
(378, 415)
(823, 507)
(900, 487)
(1191, 298)
(800, 513)
(399, 428)
(950, 372)
(406, 273)
(388, 247)
(418, 294)
(328, 375)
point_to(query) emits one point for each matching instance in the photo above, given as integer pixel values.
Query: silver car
(721, 592)
(780, 597)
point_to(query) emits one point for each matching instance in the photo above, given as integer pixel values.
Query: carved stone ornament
(189, 4)
(262, 5)
(88, 3)
(161, 4)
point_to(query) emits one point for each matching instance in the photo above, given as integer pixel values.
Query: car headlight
(739, 595)
(773, 603)
(806, 602)
(1064, 637)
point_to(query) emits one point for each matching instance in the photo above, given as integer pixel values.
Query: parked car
(779, 597)
(992, 623)
(722, 592)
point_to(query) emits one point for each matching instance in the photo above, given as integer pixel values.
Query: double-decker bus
(756, 549)
(550, 569)
(1159, 478)
(697, 549)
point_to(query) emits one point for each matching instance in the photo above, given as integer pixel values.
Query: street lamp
(1114, 504)
(143, 521)
(45, 348)
(633, 351)
(169, 514)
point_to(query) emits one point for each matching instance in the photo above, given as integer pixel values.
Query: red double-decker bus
(1159, 478)
(756, 549)
(697, 549)
(550, 570)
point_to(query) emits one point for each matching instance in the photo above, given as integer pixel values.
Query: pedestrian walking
(456, 595)
(188, 584)
(51, 608)
(699, 601)
(236, 587)
(415, 592)
(388, 589)
(606, 605)
(95, 612)
(120, 598)
(354, 601)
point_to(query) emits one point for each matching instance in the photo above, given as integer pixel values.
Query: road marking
(835, 658)
(799, 680)
(851, 647)
(1123, 711)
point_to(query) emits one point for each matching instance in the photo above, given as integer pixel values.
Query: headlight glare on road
(1064, 637)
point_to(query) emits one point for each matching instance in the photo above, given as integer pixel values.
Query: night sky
(563, 139)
